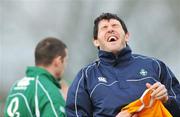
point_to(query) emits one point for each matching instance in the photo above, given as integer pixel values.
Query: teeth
(112, 38)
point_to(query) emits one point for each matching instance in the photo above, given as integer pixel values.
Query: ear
(96, 42)
(58, 60)
(127, 37)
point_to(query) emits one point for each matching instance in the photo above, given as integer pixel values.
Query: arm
(173, 87)
(50, 102)
(167, 89)
(52, 110)
(78, 101)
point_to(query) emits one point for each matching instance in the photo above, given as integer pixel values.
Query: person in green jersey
(38, 94)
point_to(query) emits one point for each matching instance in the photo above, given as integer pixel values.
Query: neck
(49, 69)
(117, 52)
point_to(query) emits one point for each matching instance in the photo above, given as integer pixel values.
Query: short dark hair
(107, 16)
(48, 49)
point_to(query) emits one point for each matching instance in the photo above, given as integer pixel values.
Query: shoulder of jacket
(89, 66)
(83, 72)
(23, 84)
(138, 56)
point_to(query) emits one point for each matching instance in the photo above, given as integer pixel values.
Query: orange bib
(147, 107)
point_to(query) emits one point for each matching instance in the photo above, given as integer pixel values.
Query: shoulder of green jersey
(23, 83)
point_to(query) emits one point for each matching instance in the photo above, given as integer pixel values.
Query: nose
(110, 29)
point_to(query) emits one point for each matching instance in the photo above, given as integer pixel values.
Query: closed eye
(115, 25)
(104, 27)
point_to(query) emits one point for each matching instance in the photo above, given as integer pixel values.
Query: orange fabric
(147, 107)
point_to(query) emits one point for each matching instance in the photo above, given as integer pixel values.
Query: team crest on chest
(143, 72)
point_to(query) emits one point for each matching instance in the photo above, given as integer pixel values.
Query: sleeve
(50, 101)
(55, 111)
(172, 85)
(78, 103)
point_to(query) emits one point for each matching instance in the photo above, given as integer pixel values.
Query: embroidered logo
(143, 72)
(23, 83)
(102, 79)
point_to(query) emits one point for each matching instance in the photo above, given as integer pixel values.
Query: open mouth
(112, 39)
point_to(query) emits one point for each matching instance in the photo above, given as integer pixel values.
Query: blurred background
(154, 27)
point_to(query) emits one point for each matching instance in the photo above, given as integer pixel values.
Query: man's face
(61, 65)
(111, 36)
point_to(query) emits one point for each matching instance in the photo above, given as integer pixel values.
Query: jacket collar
(109, 58)
(37, 71)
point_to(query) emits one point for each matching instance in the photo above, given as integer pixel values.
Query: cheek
(101, 34)
(59, 70)
(121, 33)
(63, 67)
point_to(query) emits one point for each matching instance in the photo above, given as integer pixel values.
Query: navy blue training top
(102, 88)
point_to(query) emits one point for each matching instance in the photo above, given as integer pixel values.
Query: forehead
(110, 21)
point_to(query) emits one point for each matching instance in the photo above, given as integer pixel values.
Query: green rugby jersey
(36, 95)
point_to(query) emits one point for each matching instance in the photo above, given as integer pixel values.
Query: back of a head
(107, 16)
(48, 49)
